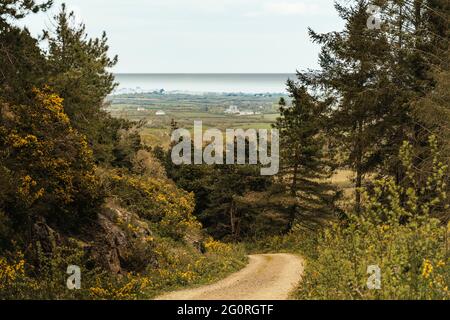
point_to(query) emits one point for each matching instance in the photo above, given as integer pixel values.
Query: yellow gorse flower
(427, 268)
(441, 263)
(9, 272)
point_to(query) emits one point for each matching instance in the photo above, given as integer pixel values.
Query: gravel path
(266, 277)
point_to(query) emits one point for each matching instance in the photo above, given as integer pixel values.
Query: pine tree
(228, 213)
(79, 68)
(305, 166)
(433, 112)
(18, 9)
(419, 37)
(374, 76)
(22, 65)
(221, 202)
(354, 76)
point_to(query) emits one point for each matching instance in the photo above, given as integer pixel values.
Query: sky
(203, 36)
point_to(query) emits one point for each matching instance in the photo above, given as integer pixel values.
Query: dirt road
(266, 277)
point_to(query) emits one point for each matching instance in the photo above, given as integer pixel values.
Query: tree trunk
(359, 169)
(234, 221)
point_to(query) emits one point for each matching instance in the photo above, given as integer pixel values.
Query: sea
(199, 83)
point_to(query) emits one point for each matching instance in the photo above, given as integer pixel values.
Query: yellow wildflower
(427, 269)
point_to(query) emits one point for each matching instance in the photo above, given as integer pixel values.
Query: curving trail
(266, 277)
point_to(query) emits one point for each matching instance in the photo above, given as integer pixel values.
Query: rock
(43, 234)
(122, 216)
(111, 244)
(115, 249)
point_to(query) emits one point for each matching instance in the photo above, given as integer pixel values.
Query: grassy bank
(189, 268)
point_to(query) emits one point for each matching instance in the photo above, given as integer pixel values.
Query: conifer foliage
(305, 163)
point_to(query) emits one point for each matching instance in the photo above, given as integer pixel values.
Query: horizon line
(205, 73)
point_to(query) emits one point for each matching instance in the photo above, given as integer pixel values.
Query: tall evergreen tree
(374, 76)
(354, 75)
(418, 32)
(22, 65)
(79, 68)
(18, 9)
(305, 166)
(433, 112)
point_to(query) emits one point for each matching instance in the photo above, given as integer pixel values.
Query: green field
(185, 109)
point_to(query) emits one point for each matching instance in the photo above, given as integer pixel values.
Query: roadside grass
(184, 268)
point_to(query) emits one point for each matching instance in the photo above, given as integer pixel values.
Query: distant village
(157, 113)
(232, 110)
(235, 111)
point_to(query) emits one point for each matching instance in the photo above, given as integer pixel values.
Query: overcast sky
(204, 36)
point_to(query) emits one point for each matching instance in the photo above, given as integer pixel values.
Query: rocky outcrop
(111, 244)
(118, 241)
(120, 235)
(45, 236)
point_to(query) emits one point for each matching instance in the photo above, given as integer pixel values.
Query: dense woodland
(78, 186)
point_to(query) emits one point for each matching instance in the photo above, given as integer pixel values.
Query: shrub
(395, 232)
(45, 279)
(12, 276)
(127, 287)
(46, 165)
(156, 200)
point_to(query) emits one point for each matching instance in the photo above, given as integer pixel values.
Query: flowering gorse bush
(45, 277)
(12, 276)
(412, 259)
(156, 200)
(46, 165)
(127, 287)
(178, 266)
(395, 232)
